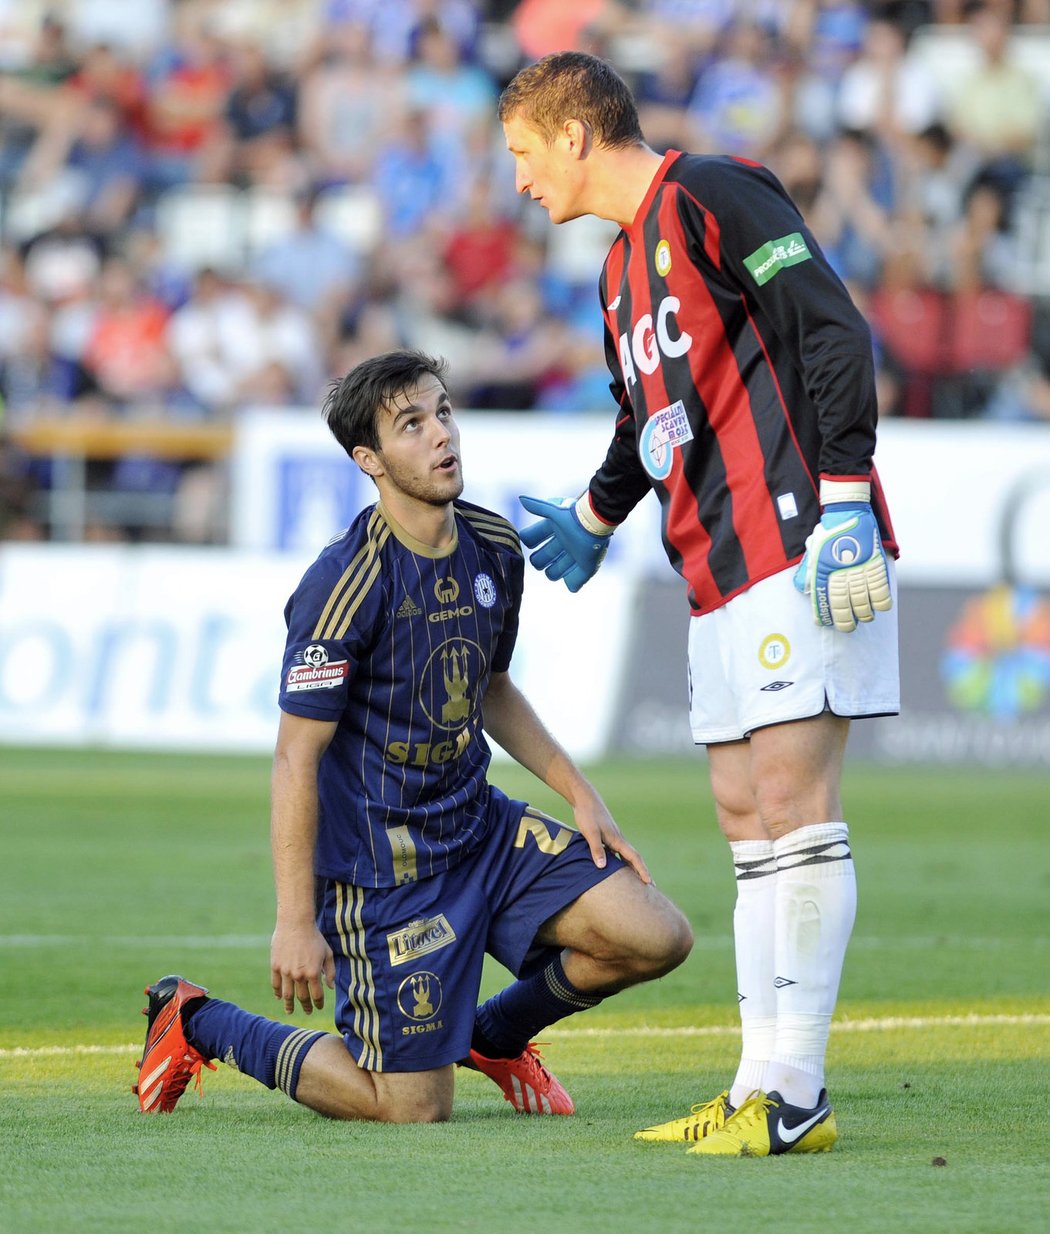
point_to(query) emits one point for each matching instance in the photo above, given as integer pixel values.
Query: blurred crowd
(213, 205)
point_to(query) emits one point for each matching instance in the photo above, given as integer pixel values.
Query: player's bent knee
(658, 941)
(671, 940)
(421, 1111)
(415, 1096)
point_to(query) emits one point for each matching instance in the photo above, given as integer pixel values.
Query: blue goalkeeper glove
(570, 541)
(844, 569)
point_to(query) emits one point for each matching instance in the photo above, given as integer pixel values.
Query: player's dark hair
(571, 85)
(354, 402)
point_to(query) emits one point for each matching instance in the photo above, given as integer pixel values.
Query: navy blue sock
(505, 1025)
(269, 1051)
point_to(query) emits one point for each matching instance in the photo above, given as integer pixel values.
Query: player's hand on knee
(598, 828)
(844, 570)
(570, 542)
(301, 964)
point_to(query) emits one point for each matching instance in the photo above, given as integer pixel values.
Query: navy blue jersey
(396, 642)
(743, 371)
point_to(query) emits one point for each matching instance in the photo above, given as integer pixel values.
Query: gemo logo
(649, 340)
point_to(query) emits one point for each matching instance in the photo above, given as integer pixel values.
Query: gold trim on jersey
(493, 527)
(403, 854)
(417, 546)
(355, 583)
(349, 902)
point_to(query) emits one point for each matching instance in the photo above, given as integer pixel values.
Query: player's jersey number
(549, 841)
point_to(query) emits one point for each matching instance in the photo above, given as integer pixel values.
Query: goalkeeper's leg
(796, 770)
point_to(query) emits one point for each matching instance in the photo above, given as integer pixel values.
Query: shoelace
(193, 1071)
(754, 1108)
(536, 1067)
(713, 1105)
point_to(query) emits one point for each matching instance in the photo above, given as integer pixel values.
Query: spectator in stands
(978, 251)
(933, 173)
(126, 354)
(30, 98)
(851, 214)
(520, 351)
(664, 92)
(739, 105)
(883, 92)
(417, 186)
(394, 25)
(542, 26)
(457, 97)
(104, 74)
(311, 266)
(244, 345)
(821, 39)
(479, 251)
(254, 143)
(346, 104)
(91, 151)
(997, 108)
(187, 86)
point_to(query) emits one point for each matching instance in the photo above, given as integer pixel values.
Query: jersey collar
(661, 172)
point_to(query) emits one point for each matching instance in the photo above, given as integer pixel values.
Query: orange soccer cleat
(526, 1083)
(168, 1061)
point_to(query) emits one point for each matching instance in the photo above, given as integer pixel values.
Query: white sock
(755, 868)
(816, 902)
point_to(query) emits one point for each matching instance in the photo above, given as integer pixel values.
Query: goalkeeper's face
(418, 453)
(553, 173)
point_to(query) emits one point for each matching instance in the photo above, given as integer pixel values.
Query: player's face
(550, 174)
(419, 445)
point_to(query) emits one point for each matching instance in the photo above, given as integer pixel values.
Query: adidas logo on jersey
(409, 608)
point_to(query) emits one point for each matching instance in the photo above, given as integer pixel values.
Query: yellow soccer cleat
(766, 1126)
(700, 1121)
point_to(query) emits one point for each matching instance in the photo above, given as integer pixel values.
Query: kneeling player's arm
(510, 719)
(299, 956)
(293, 814)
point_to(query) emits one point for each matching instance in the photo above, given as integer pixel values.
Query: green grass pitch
(118, 868)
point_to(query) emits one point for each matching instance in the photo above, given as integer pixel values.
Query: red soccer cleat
(526, 1083)
(168, 1061)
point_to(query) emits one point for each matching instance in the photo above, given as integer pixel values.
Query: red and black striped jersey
(743, 371)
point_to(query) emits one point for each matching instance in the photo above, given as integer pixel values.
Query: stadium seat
(353, 214)
(203, 225)
(990, 331)
(911, 325)
(268, 216)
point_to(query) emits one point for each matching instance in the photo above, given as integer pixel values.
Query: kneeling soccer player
(397, 864)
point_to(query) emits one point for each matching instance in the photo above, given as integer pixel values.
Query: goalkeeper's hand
(844, 569)
(570, 542)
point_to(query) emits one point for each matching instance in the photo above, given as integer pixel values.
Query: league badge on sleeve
(317, 671)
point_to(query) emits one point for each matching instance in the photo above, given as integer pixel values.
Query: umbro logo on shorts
(777, 685)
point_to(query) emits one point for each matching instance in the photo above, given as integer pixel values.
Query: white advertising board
(955, 489)
(165, 648)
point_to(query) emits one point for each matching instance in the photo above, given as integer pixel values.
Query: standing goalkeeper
(746, 392)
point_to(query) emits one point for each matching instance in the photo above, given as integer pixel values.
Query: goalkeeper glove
(570, 541)
(844, 568)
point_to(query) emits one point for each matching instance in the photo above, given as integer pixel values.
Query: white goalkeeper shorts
(761, 659)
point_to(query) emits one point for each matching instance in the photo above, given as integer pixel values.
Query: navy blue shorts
(409, 959)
